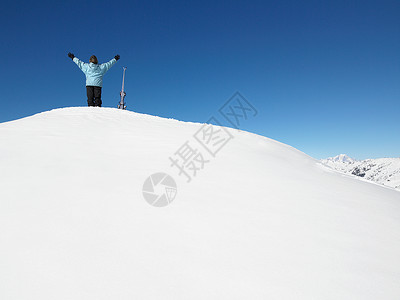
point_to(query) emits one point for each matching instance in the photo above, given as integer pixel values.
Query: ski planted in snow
(121, 104)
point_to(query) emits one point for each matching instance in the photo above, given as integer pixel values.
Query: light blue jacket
(94, 73)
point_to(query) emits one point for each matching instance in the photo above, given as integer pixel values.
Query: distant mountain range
(385, 171)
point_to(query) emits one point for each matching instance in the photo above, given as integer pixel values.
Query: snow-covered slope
(385, 171)
(262, 220)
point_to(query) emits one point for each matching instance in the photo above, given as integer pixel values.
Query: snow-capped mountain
(341, 162)
(385, 171)
(342, 158)
(258, 220)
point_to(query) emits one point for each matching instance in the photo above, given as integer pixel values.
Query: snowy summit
(260, 220)
(341, 158)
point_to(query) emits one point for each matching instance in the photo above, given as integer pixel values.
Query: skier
(94, 76)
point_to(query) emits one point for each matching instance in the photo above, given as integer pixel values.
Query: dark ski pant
(93, 95)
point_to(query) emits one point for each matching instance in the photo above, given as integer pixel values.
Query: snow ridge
(260, 220)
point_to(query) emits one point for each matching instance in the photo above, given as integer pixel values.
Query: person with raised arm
(94, 76)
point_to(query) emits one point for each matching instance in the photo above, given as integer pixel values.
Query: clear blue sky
(323, 75)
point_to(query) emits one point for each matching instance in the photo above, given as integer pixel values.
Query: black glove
(70, 55)
(117, 57)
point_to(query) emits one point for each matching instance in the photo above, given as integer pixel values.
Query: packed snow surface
(261, 220)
